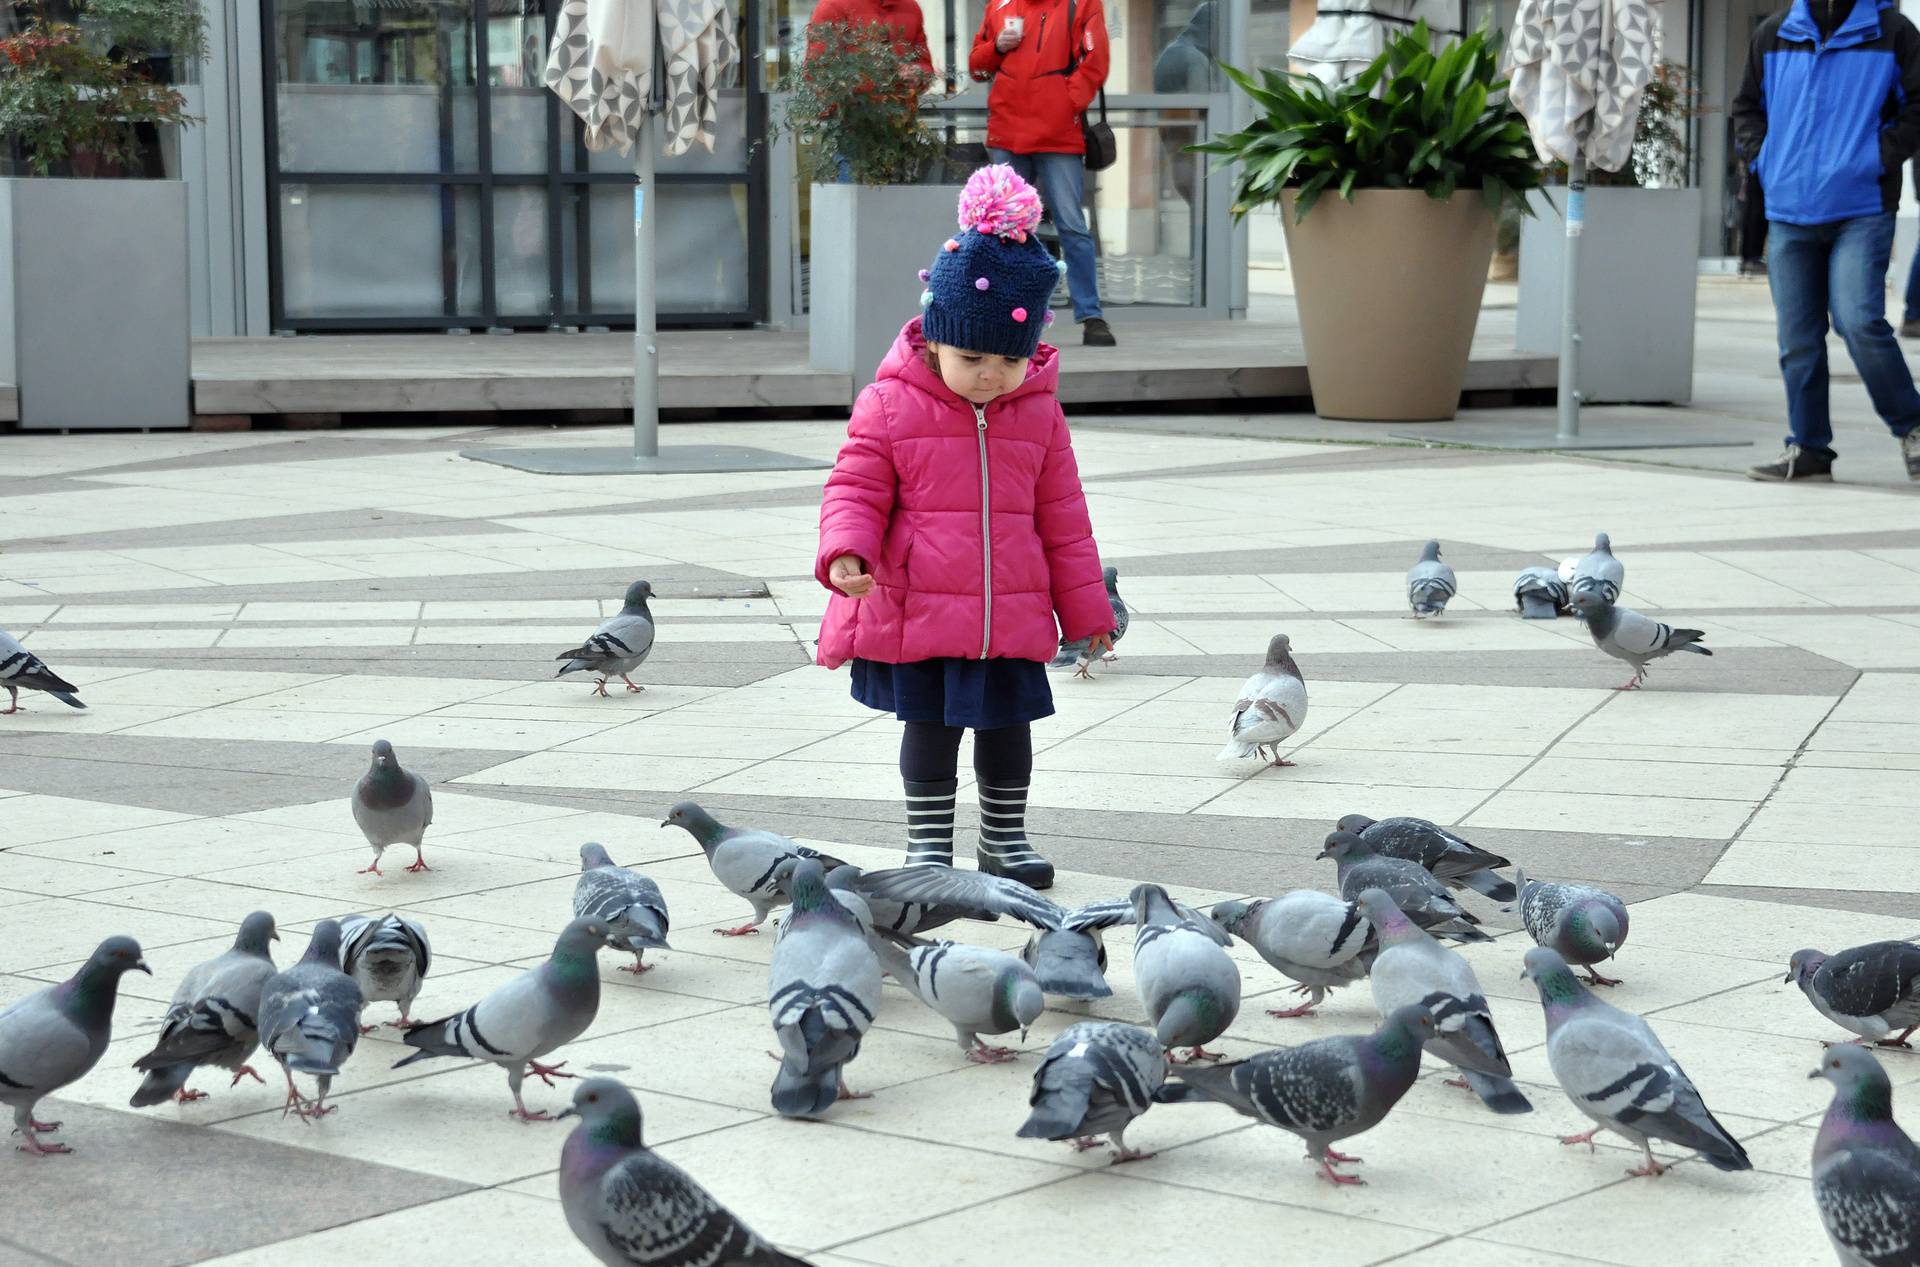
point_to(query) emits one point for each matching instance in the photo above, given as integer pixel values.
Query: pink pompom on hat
(990, 284)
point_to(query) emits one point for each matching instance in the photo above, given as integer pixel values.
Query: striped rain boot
(1004, 849)
(930, 823)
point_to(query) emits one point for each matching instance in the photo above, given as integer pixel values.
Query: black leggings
(1002, 757)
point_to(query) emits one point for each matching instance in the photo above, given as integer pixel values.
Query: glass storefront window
(382, 250)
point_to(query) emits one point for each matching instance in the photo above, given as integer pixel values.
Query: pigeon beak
(141, 964)
(1317, 857)
(666, 822)
(1788, 979)
(1814, 1074)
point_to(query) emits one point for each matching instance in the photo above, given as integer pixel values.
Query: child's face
(979, 376)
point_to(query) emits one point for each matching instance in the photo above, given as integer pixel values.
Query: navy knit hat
(989, 287)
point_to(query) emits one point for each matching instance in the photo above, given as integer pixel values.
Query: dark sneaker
(1096, 333)
(1910, 449)
(1798, 464)
(1910, 328)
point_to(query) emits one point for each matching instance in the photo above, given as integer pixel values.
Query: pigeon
(980, 991)
(628, 903)
(1625, 634)
(1599, 572)
(1453, 861)
(1430, 583)
(1582, 924)
(1539, 594)
(1866, 1170)
(746, 860)
(393, 807)
(1872, 990)
(879, 914)
(1189, 986)
(1078, 654)
(618, 646)
(387, 958)
(539, 1011)
(629, 1206)
(822, 993)
(20, 668)
(1271, 707)
(1412, 887)
(310, 1019)
(53, 1037)
(1615, 1071)
(212, 1019)
(1317, 940)
(1414, 968)
(1322, 1091)
(1095, 1079)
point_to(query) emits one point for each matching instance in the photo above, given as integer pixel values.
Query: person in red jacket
(1044, 78)
(902, 17)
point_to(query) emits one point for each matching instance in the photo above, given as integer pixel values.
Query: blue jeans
(1838, 268)
(1061, 180)
(1912, 309)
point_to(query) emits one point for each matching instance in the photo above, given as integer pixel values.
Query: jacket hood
(907, 362)
(1861, 23)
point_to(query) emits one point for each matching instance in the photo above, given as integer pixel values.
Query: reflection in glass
(378, 250)
(520, 280)
(700, 237)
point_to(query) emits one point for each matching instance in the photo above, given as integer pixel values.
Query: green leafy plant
(78, 76)
(834, 110)
(1413, 119)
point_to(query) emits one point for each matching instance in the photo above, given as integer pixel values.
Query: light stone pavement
(246, 613)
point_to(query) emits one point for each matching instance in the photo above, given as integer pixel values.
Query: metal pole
(1569, 395)
(646, 353)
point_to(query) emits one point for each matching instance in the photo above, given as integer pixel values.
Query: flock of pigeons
(1399, 883)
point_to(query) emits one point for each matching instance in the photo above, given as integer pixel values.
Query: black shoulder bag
(1103, 151)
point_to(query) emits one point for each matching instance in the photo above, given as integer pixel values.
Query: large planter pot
(95, 313)
(1389, 289)
(1639, 264)
(869, 243)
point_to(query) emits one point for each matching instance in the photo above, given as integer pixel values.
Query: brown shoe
(1910, 329)
(1096, 333)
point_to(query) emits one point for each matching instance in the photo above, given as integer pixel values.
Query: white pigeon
(978, 990)
(1312, 937)
(1271, 707)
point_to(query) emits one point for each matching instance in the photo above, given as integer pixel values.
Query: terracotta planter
(1389, 289)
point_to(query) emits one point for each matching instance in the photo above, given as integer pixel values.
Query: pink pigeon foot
(419, 863)
(637, 967)
(1632, 685)
(600, 689)
(981, 1054)
(742, 931)
(1594, 978)
(1280, 763)
(38, 1147)
(1195, 1055)
(1288, 1013)
(1583, 1138)
(185, 1096)
(246, 1071)
(848, 1093)
(1457, 1082)
(1080, 671)
(631, 687)
(547, 1073)
(372, 870)
(368, 1029)
(1333, 1176)
(519, 1113)
(41, 1126)
(1652, 1170)
(1083, 1143)
(1122, 1156)
(1341, 1158)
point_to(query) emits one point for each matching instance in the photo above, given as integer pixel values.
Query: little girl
(954, 529)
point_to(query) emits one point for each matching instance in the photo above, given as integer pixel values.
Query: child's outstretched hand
(1101, 644)
(849, 575)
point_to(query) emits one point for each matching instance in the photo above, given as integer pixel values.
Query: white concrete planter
(95, 313)
(869, 243)
(1638, 269)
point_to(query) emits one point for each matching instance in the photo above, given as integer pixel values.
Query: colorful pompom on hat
(990, 284)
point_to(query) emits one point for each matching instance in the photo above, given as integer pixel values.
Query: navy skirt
(976, 694)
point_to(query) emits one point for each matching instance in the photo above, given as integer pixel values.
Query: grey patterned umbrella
(1344, 38)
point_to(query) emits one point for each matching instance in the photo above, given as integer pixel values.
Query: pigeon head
(1070, 964)
(807, 886)
(1408, 1023)
(1602, 543)
(115, 957)
(1596, 928)
(1017, 1000)
(324, 945)
(1354, 823)
(1279, 649)
(593, 855)
(1110, 575)
(1803, 965)
(1588, 598)
(1381, 912)
(1233, 915)
(1857, 1077)
(256, 930)
(1430, 553)
(1551, 976)
(607, 1111)
(698, 823)
(637, 595)
(383, 755)
(1151, 905)
(1342, 844)
(582, 939)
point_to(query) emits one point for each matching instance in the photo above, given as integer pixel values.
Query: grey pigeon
(1414, 968)
(1615, 1071)
(1189, 986)
(393, 806)
(978, 990)
(539, 1011)
(628, 903)
(880, 914)
(1453, 861)
(1430, 583)
(1095, 1079)
(1540, 594)
(618, 646)
(310, 1019)
(1412, 887)
(52, 1037)
(213, 1019)
(1599, 572)
(822, 992)
(1584, 925)
(746, 859)
(388, 958)
(20, 669)
(1271, 706)
(1317, 940)
(1872, 990)
(633, 1208)
(1078, 653)
(1322, 1091)
(1625, 634)
(1866, 1170)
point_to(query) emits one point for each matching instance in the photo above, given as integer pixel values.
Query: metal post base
(1594, 435)
(675, 459)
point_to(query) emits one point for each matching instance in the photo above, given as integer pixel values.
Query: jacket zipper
(1040, 40)
(986, 536)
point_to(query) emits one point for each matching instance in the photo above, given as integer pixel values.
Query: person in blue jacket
(1827, 117)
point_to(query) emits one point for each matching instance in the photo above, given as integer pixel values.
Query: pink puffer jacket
(905, 497)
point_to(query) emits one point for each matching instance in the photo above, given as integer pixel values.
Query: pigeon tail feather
(797, 1093)
(1059, 1111)
(161, 1083)
(1498, 1094)
(1487, 883)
